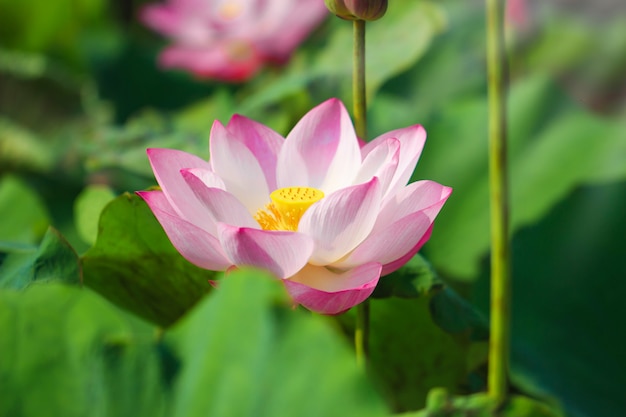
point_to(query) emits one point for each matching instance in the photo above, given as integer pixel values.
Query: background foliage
(99, 315)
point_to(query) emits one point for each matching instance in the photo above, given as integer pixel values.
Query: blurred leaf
(455, 315)
(54, 260)
(245, 352)
(47, 110)
(408, 368)
(449, 310)
(134, 265)
(25, 216)
(568, 307)
(446, 93)
(38, 92)
(199, 116)
(21, 149)
(23, 65)
(125, 147)
(412, 280)
(520, 406)
(13, 247)
(451, 69)
(72, 354)
(87, 209)
(588, 57)
(576, 147)
(410, 354)
(239, 353)
(562, 44)
(394, 43)
(132, 81)
(50, 26)
(276, 89)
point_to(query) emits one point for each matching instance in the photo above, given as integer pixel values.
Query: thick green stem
(361, 332)
(359, 100)
(499, 205)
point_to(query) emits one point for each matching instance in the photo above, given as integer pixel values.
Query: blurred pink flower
(321, 213)
(517, 14)
(230, 40)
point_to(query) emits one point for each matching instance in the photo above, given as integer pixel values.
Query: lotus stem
(499, 206)
(359, 100)
(361, 332)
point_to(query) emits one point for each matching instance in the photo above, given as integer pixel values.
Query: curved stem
(499, 205)
(361, 332)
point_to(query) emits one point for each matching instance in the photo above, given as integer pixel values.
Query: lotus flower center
(287, 207)
(239, 51)
(230, 10)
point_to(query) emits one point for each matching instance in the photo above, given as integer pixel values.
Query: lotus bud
(357, 9)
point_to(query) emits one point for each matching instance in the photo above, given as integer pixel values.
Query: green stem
(361, 332)
(359, 100)
(499, 205)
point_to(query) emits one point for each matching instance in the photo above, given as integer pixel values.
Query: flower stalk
(359, 100)
(499, 205)
(359, 103)
(361, 333)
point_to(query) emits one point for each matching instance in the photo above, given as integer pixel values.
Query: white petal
(241, 172)
(340, 221)
(221, 206)
(381, 162)
(321, 151)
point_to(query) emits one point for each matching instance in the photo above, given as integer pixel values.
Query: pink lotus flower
(230, 40)
(321, 213)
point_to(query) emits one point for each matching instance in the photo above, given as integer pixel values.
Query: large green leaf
(413, 279)
(547, 162)
(568, 309)
(449, 310)
(455, 315)
(134, 264)
(67, 352)
(422, 335)
(245, 352)
(410, 354)
(54, 260)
